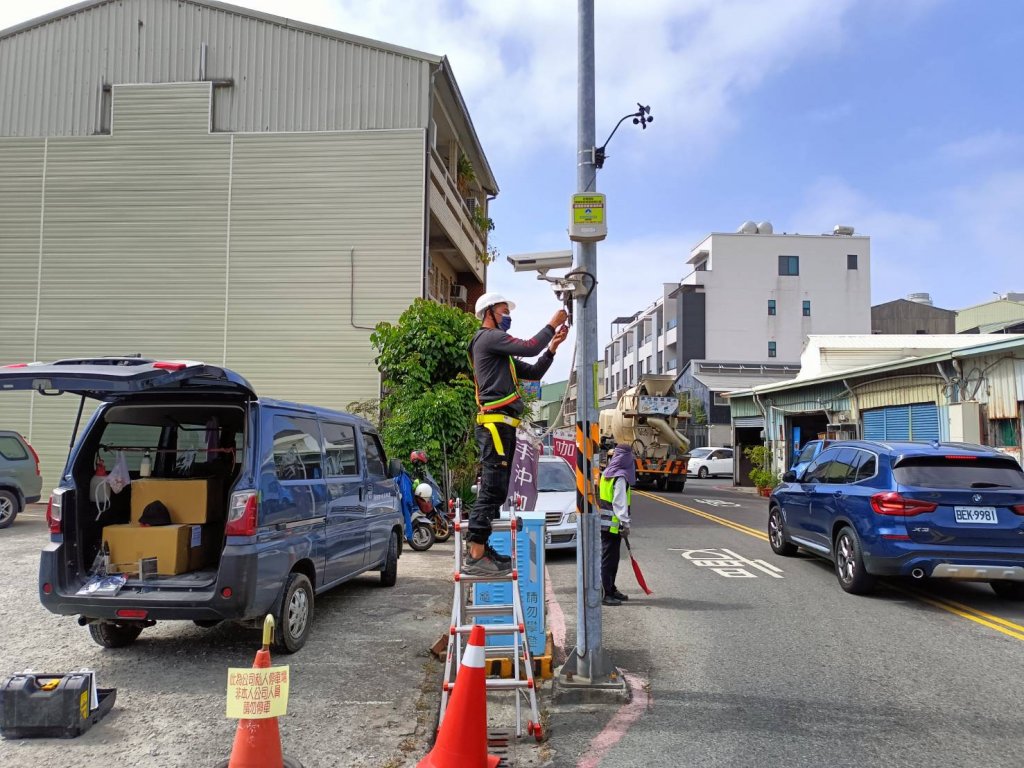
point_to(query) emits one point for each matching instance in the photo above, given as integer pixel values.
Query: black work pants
(495, 473)
(611, 544)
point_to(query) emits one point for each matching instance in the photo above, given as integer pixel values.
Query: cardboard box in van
(177, 548)
(190, 502)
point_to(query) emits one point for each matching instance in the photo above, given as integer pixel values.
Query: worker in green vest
(616, 493)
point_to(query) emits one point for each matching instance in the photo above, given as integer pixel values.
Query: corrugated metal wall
(285, 79)
(264, 250)
(899, 390)
(1001, 390)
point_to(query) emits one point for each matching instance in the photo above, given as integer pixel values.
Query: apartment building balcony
(453, 231)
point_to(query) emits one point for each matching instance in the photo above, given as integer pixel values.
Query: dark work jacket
(491, 351)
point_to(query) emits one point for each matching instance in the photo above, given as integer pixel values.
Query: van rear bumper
(238, 571)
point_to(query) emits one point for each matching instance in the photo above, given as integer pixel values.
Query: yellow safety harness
(491, 420)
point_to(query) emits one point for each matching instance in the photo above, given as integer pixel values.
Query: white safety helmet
(489, 300)
(424, 491)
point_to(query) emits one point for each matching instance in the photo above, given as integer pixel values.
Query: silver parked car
(20, 481)
(556, 498)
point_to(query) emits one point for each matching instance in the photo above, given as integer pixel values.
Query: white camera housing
(541, 262)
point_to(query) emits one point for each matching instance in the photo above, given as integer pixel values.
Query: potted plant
(761, 476)
(464, 174)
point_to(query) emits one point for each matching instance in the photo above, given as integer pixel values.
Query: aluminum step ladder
(464, 613)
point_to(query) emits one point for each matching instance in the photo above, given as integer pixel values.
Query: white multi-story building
(752, 296)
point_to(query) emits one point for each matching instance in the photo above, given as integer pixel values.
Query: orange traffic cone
(258, 742)
(462, 739)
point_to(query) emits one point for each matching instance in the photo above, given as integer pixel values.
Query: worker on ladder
(496, 372)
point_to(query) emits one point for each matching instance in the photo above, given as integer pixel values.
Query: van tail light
(34, 455)
(892, 503)
(131, 613)
(242, 514)
(55, 512)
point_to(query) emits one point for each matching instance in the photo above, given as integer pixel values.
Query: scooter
(422, 532)
(439, 521)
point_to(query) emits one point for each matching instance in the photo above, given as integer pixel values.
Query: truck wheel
(676, 486)
(111, 635)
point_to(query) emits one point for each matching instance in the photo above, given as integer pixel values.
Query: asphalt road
(755, 659)
(359, 688)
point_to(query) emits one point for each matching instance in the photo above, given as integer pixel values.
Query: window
(807, 308)
(671, 364)
(771, 349)
(340, 449)
(555, 476)
(297, 448)
(123, 435)
(953, 473)
(640, 368)
(719, 400)
(789, 266)
(840, 469)
(661, 361)
(865, 467)
(807, 453)
(11, 449)
(672, 322)
(648, 367)
(771, 307)
(819, 468)
(374, 456)
(851, 261)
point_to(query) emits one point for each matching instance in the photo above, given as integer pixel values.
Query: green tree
(428, 399)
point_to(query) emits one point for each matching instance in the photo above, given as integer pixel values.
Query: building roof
(1003, 343)
(926, 307)
(71, 10)
(727, 376)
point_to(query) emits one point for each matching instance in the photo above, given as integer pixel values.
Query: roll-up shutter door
(902, 422)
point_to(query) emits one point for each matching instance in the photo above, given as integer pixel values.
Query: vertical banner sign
(254, 694)
(522, 488)
(566, 448)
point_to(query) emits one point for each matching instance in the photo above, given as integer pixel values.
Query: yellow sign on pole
(254, 694)
(588, 209)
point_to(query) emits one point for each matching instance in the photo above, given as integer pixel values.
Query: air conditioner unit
(459, 294)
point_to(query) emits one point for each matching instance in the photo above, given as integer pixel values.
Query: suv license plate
(976, 515)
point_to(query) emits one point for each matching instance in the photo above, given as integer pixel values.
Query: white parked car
(710, 462)
(556, 498)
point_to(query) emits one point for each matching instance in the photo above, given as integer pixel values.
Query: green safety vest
(606, 493)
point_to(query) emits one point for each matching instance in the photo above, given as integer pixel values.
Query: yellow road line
(1009, 628)
(1005, 626)
(713, 518)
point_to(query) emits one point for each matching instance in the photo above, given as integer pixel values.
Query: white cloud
(991, 145)
(969, 243)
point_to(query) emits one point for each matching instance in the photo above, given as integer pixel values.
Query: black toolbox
(50, 706)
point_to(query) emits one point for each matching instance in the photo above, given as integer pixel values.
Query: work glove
(623, 530)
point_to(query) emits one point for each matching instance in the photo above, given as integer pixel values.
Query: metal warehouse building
(193, 180)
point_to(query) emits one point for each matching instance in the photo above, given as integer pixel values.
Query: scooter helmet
(424, 491)
(418, 457)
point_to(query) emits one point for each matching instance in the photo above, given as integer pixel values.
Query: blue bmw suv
(925, 510)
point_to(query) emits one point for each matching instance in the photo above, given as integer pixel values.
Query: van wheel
(10, 506)
(389, 573)
(1008, 590)
(295, 616)
(849, 562)
(111, 635)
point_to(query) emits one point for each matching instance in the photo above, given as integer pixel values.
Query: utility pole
(587, 663)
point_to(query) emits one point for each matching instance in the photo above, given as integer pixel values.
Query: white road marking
(717, 502)
(728, 564)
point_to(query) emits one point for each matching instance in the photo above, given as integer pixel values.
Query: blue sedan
(925, 510)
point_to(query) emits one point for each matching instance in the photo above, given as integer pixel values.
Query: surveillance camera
(541, 262)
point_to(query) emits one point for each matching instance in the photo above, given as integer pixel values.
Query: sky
(902, 118)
